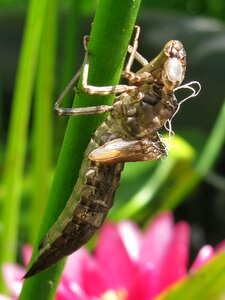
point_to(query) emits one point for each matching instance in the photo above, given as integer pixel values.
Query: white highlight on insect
(174, 70)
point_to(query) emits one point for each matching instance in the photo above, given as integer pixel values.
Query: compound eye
(173, 73)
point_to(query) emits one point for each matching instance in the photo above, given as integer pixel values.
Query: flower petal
(220, 247)
(113, 258)
(26, 253)
(131, 237)
(143, 285)
(94, 282)
(71, 291)
(13, 275)
(156, 239)
(204, 255)
(72, 282)
(73, 270)
(174, 263)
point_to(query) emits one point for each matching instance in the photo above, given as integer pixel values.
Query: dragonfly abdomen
(85, 212)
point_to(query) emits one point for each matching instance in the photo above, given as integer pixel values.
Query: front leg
(90, 89)
(65, 111)
(138, 56)
(138, 79)
(101, 90)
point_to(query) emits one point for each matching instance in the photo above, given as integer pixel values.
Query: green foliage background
(190, 181)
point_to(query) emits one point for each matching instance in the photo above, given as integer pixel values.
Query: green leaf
(42, 124)
(180, 148)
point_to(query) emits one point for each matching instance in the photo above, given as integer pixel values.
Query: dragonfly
(129, 134)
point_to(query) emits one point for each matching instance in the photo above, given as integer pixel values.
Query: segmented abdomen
(85, 211)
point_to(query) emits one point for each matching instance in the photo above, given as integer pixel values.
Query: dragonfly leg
(143, 61)
(89, 110)
(101, 90)
(134, 50)
(128, 74)
(59, 110)
(65, 111)
(98, 90)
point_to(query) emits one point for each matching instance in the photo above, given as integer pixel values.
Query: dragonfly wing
(121, 150)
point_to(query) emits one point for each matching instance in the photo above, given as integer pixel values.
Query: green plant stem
(18, 127)
(111, 33)
(42, 129)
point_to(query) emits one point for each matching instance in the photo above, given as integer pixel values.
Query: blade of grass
(213, 145)
(42, 129)
(112, 29)
(17, 137)
(147, 191)
(71, 40)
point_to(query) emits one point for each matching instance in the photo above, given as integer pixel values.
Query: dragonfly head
(175, 65)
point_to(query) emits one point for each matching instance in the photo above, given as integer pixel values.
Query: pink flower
(126, 264)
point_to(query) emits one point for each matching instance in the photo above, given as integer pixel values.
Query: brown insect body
(129, 133)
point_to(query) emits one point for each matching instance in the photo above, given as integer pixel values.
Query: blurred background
(199, 25)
